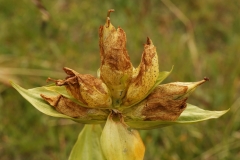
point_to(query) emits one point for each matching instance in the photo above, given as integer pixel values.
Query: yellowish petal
(116, 68)
(120, 143)
(87, 89)
(144, 77)
(72, 109)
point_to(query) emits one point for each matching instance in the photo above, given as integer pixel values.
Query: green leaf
(33, 96)
(88, 146)
(191, 114)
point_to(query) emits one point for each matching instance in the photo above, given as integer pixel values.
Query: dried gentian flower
(123, 99)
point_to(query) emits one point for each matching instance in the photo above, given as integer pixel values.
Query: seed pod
(116, 68)
(144, 77)
(87, 89)
(166, 102)
(120, 143)
(72, 109)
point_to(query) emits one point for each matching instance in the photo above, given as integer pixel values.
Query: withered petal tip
(206, 78)
(108, 22)
(50, 80)
(108, 17)
(149, 41)
(65, 68)
(109, 12)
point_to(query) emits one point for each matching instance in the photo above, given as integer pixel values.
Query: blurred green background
(200, 38)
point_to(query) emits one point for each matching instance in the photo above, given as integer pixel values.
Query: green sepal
(191, 114)
(88, 145)
(33, 96)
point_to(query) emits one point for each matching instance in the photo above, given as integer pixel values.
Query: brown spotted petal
(116, 68)
(72, 109)
(144, 77)
(87, 89)
(166, 102)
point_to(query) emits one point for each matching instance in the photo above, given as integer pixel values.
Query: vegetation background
(200, 38)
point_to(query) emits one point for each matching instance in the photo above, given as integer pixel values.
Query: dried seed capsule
(144, 76)
(116, 68)
(166, 102)
(87, 89)
(120, 143)
(72, 109)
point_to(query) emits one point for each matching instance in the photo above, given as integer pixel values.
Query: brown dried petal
(144, 76)
(169, 91)
(116, 68)
(166, 102)
(66, 106)
(164, 109)
(162, 103)
(72, 109)
(86, 88)
(113, 50)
